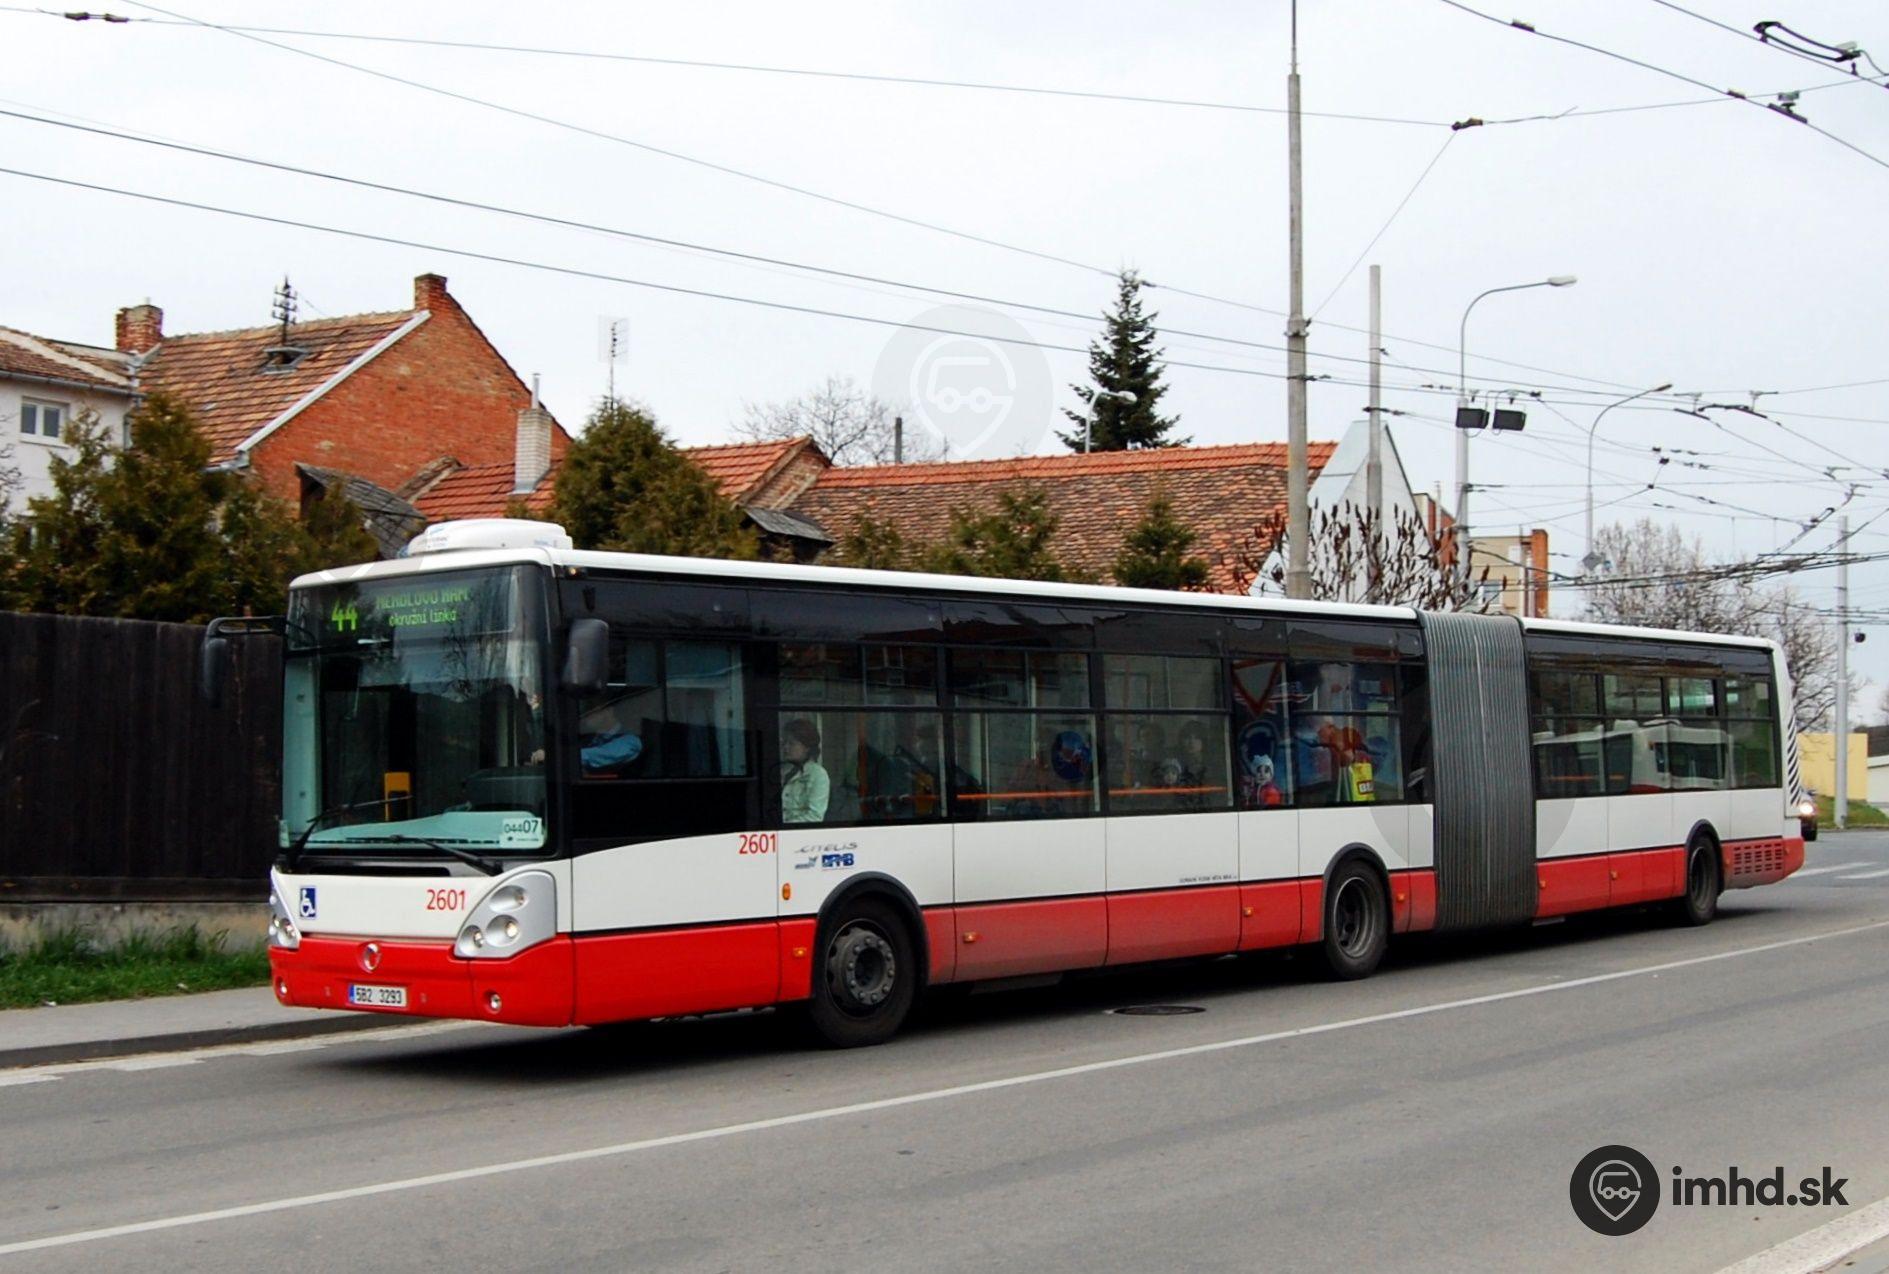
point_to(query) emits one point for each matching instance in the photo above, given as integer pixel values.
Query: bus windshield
(414, 712)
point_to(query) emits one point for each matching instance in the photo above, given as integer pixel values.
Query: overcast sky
(1718, 246)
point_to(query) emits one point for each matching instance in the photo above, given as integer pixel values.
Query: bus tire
(867, 975)
(1357, 921)
(1699, 904)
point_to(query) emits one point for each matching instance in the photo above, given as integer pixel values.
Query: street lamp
(1591, 558)
(1095, 405)
(1462, 400)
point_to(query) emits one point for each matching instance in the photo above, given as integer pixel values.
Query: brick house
(362, 405)
(376, 396)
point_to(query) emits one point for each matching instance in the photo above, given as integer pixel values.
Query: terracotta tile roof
(225, 378)
(739, 468)
(1221, 492)
(22, 353)
(483, 491)
(477, 491)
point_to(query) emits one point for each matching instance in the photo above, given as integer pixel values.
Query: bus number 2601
(445, 900)
(759, 842)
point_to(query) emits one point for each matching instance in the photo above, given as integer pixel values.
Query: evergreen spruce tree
(151, 532)
(1014, 540)
(873, 544)
(1155, 551)
(624, 486)
(1124, 359)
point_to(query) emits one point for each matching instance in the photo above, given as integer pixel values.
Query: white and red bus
(528, 784)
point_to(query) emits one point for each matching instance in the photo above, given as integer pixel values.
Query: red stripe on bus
(665, 972)
(1170, 924)
(1269, 914)
(1001, 940)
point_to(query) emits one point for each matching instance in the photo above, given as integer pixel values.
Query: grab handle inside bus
(587, 656)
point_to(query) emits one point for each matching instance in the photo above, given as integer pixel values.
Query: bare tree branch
(846, 422)
(1355, 558)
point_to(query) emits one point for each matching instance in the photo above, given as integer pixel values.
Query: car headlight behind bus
(520, 913)
(283, 935)
(1807, 809)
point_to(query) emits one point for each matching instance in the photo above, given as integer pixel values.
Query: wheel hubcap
(861, 968)
(1354, 922)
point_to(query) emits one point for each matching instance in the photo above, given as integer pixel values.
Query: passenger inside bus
(805, 788)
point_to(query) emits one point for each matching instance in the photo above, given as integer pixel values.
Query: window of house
(42, 419)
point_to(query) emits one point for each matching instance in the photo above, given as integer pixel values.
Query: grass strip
(73, 966)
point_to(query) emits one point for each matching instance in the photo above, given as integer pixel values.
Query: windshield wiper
(483, 863)
(301, 842)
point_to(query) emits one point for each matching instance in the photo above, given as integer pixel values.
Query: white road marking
(621, 1149)
(1802, 872)
(8, 1079)
(150, 1062)
(1822, 1247)
(1866, 875)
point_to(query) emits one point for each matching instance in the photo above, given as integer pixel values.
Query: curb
(184, 1041)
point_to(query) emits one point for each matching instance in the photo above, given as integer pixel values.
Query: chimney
(140, 328)
(429, 292)
(533, 458)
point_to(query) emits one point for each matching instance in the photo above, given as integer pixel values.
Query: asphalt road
(1428, 1118)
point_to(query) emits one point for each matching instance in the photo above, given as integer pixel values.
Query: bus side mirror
(213, 668)
(587, 656)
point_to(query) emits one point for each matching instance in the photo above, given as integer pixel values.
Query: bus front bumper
(532, 988)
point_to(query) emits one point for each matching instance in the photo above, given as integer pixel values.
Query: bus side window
(860, 738)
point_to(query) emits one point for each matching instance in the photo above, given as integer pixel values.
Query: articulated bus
(533, 785)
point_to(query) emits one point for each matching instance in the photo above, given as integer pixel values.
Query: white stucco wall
(32, 455)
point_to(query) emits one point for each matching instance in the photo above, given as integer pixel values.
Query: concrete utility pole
(1843, 672)
(1374, 456)
(1298, 480)
(1374, 460)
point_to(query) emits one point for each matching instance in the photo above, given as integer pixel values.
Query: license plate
(377, 997)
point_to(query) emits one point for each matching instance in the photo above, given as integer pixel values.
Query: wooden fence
(117, 781)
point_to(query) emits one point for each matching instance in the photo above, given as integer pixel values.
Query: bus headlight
(520, 913)
(283, 935)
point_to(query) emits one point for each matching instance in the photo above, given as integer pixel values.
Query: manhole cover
(1158, 1010)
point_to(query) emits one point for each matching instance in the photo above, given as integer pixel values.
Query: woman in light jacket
(805, 788)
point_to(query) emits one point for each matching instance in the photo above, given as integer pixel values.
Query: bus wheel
(1699, 904)
(867, 978)
(1357, 922)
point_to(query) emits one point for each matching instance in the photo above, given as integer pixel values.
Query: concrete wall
(1818, 753)
(246, 924)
